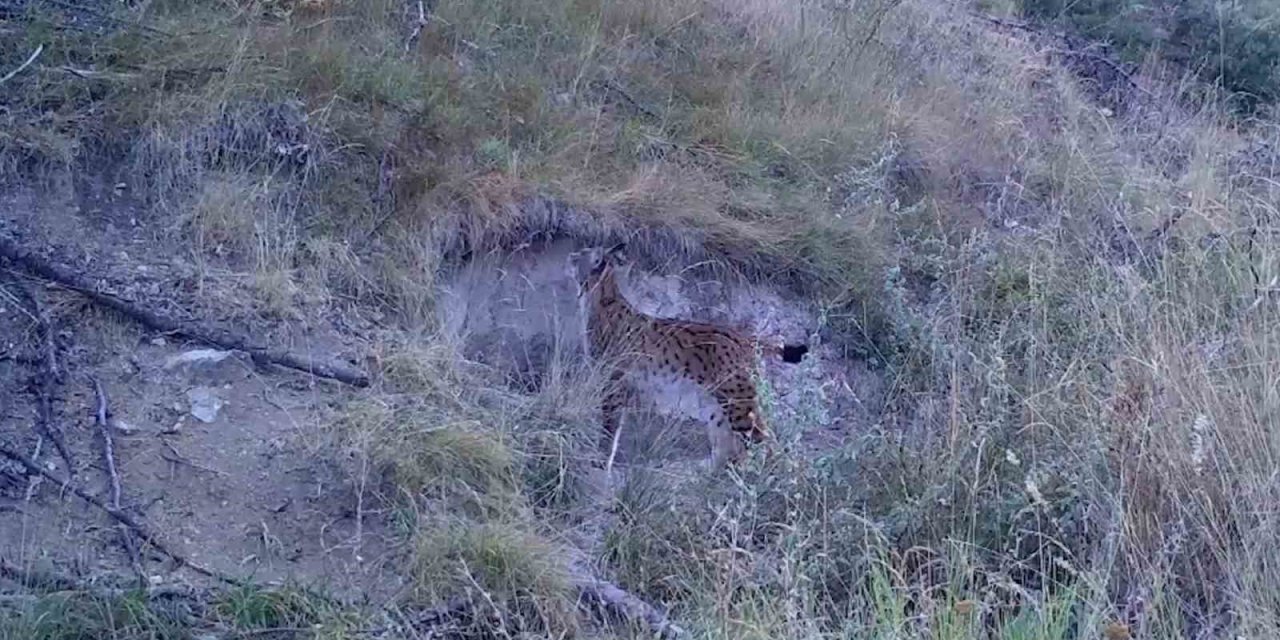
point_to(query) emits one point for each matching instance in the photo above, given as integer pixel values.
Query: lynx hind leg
(727, 446)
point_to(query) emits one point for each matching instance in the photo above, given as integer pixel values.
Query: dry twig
(33, 579)
(32, 58)
(102, 412)
(418, 26)
(47, 372)
(102, 15)
(616, 602)
(119, 515)
(108, 447)
(177, 458)
(211, 335)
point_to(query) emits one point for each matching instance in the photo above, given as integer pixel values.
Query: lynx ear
(616, 254)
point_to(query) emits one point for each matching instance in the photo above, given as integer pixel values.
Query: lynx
(634, 346)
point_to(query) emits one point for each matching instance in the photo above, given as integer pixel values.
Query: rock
(123, 427)
(175, 428)
(197, 356)
(205, 404)
(159, 341)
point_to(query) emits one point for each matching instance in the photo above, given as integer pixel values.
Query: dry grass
(1079, 425)
(515, 578)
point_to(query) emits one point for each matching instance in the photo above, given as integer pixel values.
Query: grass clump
(514, 577)
(82, 616)
(423, 456)
(252, 609)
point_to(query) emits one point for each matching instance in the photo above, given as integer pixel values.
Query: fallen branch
(225, 339)
(439, 614)
(1111, 64)
(609, 85)
(178, 458)
(615, 602)
(47, 372)
(607, 600)
(39, 580)
(32, 58)
(1062, 37)
(48, 584)
(101, 414)
(69, 6)
(120, 516)
(33, 482)
(418, 26)
(108, 448)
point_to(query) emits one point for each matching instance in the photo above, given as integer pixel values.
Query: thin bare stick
(32, 58)
(120, 516)
(34, 579)
(616, 602)
(108, 447)
(610, 85)
(38, 266)
(106, 16)
(1111, 64)
(135, 558)
(1030, 28)
(418, 25)
(178, 458)
(50, 583)
(33, 482)
(102, 412)
(47, 372)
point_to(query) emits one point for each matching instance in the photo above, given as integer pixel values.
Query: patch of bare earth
(241, 489)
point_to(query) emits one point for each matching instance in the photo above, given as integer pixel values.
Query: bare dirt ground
(245, 493)
(251, 492)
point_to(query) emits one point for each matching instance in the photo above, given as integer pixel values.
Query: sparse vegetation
(175, 614)
(1233, 45)
(83, 616)
(1074, 311)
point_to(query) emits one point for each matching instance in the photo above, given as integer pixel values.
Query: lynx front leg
(615, 395)
(737, 421)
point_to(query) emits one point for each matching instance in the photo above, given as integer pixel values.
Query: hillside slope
(1040, 291)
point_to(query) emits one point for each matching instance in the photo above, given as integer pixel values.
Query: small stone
(123, 427)
(196, 356)
(159, 341)
(205, 404)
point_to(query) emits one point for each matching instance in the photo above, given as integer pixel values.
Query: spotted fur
(719, 360)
